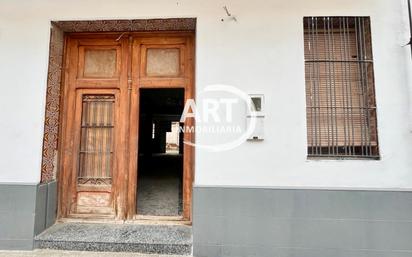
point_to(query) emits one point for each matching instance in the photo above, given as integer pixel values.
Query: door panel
(95, 97)
(162, 61)
(99, 62)
(96, 152)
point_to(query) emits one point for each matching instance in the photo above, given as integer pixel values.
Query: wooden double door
(103, 76)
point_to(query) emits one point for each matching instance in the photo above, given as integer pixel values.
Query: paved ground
(158, 196)
(50, 253)
(159, 192)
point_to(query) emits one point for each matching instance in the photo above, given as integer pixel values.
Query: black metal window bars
(340, 94)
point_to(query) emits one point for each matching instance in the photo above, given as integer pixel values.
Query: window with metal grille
(340, 96)
(96, 145)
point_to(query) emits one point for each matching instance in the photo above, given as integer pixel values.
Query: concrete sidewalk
(53, 253)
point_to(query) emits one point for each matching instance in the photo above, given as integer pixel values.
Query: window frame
(362, 30)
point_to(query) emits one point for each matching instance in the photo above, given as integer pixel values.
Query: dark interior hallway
(160, 164)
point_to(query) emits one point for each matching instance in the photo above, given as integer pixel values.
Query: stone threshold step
(60, 253)
(148, 239)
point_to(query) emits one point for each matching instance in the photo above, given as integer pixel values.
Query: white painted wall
(262, 53)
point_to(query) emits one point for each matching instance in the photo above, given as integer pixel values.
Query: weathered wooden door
(99, 121)
(95, 105)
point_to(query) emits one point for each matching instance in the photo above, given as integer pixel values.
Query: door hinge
(129, 84)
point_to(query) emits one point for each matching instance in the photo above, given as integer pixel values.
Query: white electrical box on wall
(256, 114)
(257, 105)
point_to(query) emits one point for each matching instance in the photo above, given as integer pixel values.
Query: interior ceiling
(162, 101)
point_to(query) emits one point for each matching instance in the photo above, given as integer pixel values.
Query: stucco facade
(260, 53)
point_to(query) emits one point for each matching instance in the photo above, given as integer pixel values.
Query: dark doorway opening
(160, 164)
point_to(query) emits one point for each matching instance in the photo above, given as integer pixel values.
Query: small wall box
(257, 105)
(256, 111)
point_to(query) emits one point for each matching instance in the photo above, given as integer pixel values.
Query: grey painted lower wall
(301, 223)
(251, 222)
(25, 211)
(46, 206)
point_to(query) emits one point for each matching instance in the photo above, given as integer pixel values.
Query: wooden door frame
(125, 199)
(138, 83)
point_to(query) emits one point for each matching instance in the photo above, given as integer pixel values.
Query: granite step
(146, 239)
